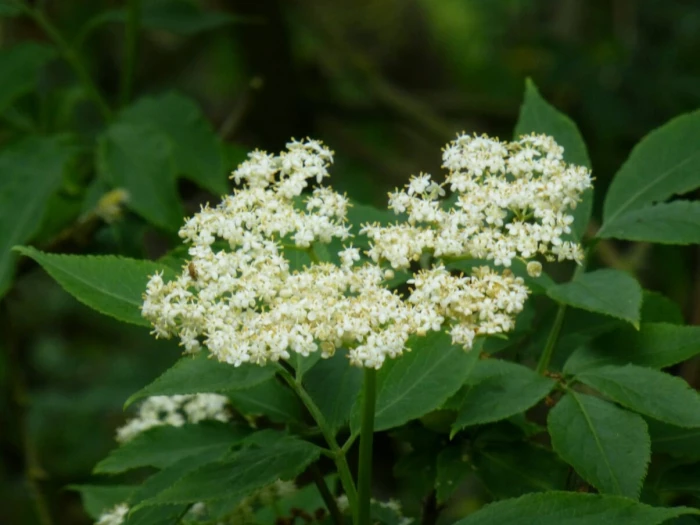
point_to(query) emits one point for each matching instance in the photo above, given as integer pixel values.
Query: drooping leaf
(195, 147)
(500, 389)
(334, 386)
(101, 498)
(419, 381)
(245, 471)
(538, 116)
(200, 374)
(568, 508)
(139, 159)
(19, 68)
(109, 284)
(609, 292)
(675, 441)
(608, 446)
(512, 469)
(647, 391)
(162, 446)
(269, 398)
(656, 345)
(675, 222)
(663, 164)
(30, 172)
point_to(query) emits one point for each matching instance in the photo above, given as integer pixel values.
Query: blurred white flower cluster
(175, 411)
(238, 296)
(114, 516)
(513, 199)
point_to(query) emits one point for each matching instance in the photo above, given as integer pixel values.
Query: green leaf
(9, 8)
(334, 386)
(269, 398)
(100, 498)
(663, 164)
(609, 292)
(200, 374)
(567, 508)
(674, 441)
(19, 69)
(246, 471)
(498, 390)
(608, 446)
(30, 172)
(650, 392)
(512, 469)
(658, 308)
(162, 446)
(111, 285)
(538, 116)
(452, 469)
(139, 158)
(675, 222)
(419, 381)
(183, 17)
(195, 147)
(656, 345)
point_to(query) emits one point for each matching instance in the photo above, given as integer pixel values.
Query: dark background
(385, 83)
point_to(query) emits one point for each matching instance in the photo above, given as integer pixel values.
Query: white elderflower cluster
(175, 411)
(513, 200)
(238, 296)
(114, 516)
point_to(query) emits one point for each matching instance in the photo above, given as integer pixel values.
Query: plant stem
(364, 478)
(131, 34)
(69, 54)
(546, 356)
(328, 498)
(341, 462)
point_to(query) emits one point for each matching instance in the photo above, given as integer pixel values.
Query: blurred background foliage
(386, 83)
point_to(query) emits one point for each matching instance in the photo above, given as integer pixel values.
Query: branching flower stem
(341, 462)
(366, 436)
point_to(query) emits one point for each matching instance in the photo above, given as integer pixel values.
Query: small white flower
(114, 516)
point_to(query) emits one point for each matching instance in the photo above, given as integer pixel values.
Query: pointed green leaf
(647, 391)
(675, 222)
(498, 390)
(162, 446)
(195, 147)
(567, 508)
(419, 381)
(334, 386)
(512, 469)
(111, 285)
(538, 116)
(200, 374)
(663, 164)
(608, 446)
(19, 69)
(656, 345)
(139, 158)
(609, 292)
(248, 470)
(269, 398)
(30, 172)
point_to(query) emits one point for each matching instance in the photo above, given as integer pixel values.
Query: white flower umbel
(512, 200)
(175, 411)
(114, 516)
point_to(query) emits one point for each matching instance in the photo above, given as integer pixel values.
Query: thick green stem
(131, 34)
(364, 479)
(69, 54)
(341, 462)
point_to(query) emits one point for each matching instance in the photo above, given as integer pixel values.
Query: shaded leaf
(647, 391)
(100, 498)
(19, 68)
(675, 222)
(109, 284)
(674, 441)
(608, 446)
(453, 468)
(538, 116)
(567, 508)
(269, 398)
(609, 292)
(200, 374)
